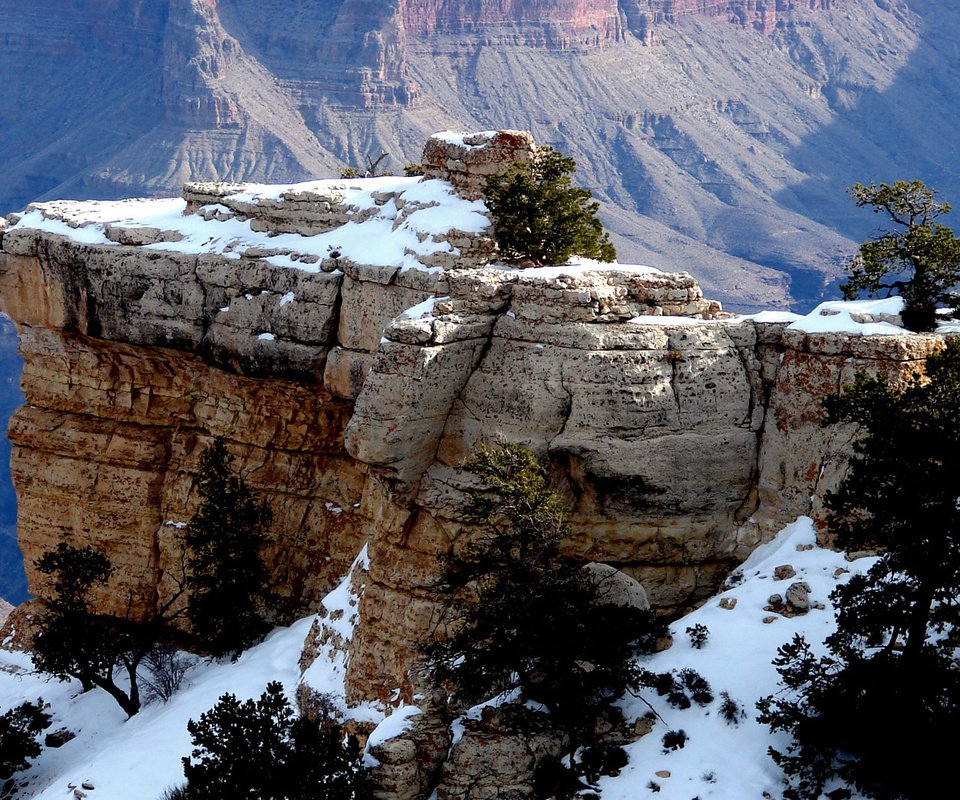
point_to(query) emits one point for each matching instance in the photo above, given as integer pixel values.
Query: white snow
(458, 137)
(736, 658)
(286, 299)
(393, 726)
(422, 310)
(140, 756)
(266, 337)
(837, 316)
(579, 266)
(665, 319)
(388, 238)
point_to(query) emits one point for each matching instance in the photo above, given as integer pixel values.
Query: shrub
(229, 596)
(166, 668)
(674, 740)
(698, 635)
(731, 711)
(20, 728)
(684, 688)
(262, 749)
(539, 217)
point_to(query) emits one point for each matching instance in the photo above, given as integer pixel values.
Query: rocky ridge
(350, 390)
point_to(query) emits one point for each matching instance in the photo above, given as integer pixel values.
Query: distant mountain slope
(720, 136)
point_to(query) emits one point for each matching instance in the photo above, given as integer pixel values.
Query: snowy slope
(140, 757)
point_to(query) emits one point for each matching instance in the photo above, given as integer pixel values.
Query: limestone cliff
(352, 343)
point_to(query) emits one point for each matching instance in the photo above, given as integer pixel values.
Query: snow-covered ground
(140, 757)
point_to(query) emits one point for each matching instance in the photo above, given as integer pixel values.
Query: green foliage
(72, 642)
(229, 594)
(19, 729)
(539, 217)
(262, 749)
(411, 170)
(893, 657)
(349, 172)
(919, 259)
(525, 617)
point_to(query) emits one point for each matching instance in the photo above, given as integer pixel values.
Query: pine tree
(262, 749)
(892, 662)
(919, 259)
(539, 217)
(228, 582)
(523, 616)
(19, 729)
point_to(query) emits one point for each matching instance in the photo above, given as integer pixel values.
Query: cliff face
(351, 346)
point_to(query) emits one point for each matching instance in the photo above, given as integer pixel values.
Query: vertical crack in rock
(567, 409)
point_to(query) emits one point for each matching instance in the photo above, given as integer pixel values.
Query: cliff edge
(353, 341)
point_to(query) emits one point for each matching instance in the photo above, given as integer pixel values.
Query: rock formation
(352, 342)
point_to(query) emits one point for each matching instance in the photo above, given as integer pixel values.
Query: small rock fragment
(768, 619)
(728, 603)
(663, 773)
(783, 572)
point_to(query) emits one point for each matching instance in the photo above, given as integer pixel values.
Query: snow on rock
(720, 761)
(387, 222)
(324, 664)
(398, 723)
(864, 317)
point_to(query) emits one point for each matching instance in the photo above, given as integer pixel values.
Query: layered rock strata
(353, 342)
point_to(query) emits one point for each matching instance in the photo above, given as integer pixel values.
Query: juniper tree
(887, 695)
(539, 217)
(919, 259)
(524, 616)
(73, 640)
(228, 582)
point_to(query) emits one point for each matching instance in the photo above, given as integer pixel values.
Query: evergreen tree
(19, 729)
(887, 697)
(71, 641)
(228, 581)
(919, 259)
(261, 749)
(539, 217)
(525, 617)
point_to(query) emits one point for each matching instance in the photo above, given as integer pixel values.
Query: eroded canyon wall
(351, 392)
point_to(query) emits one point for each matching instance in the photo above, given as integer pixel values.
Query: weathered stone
(616, 588)
(497, 756)
(58, 738)
(783, 572)
(798, 596)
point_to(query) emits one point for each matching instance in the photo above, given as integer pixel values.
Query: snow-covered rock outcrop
(353, 341)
